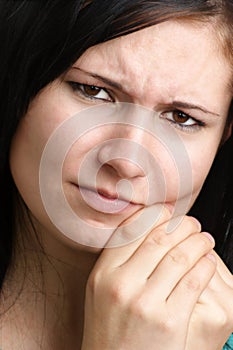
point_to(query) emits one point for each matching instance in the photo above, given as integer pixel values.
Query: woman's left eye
(91, 92)
(182, 120)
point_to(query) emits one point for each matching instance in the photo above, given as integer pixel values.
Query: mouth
(105, 195)
(105, 202)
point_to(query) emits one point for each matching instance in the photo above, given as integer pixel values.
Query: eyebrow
(107, 81)
(174, 104)
(186, 105)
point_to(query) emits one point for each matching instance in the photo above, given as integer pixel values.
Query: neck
(48, 311)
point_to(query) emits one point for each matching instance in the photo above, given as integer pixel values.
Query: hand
(142, 295)
(212, 319)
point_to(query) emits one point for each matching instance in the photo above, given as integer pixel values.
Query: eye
(91, 92)
(182, 120)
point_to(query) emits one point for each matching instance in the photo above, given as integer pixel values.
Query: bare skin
(166, 311)
(144, 284)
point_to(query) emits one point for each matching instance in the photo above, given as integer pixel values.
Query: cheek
(185, 171)
(28, 144)
(46, 112)
(25, 153)
(200, 169)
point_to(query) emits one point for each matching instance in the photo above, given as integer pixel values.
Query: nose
(125, 155)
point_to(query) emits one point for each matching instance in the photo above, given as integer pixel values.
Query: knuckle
(139, 309)
(191, 224)
(222, 318)
(195, 223)
(94, 281)
(168, 325)
(113, 289)
(142, 310)
(191, 283)
(126, 233)
(178, 257)
(204, 242)
(118, 292)
(159, 238)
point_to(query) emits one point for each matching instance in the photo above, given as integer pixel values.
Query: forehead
(165, 56)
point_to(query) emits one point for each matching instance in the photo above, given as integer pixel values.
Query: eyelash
(79, 88)
(197, 125)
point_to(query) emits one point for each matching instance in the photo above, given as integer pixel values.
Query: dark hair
(214, 206)
(40, 40)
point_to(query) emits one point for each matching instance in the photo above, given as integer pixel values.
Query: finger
(215, 298)
(156, 245)
(186, 293)
(134, 232)
(219, 288)
(177, 262)
(224, 272)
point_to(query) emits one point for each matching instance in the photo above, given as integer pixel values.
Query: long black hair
(214, 206)
(40, 40)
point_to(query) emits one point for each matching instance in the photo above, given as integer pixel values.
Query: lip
(107, 195)
(105, 202)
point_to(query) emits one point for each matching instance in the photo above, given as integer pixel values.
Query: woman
(138, 94)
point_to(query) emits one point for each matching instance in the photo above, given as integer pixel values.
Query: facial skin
(154, 68)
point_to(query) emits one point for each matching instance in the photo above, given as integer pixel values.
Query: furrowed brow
(186, 105)
(175, 104)
(105, 80)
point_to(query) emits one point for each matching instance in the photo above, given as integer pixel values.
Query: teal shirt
(229, 344)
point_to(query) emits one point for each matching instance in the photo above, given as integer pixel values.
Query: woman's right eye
(91, 92)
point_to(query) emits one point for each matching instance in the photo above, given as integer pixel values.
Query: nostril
(126, 169)
(129, 159)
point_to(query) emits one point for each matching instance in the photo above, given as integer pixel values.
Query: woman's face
(176, 70)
